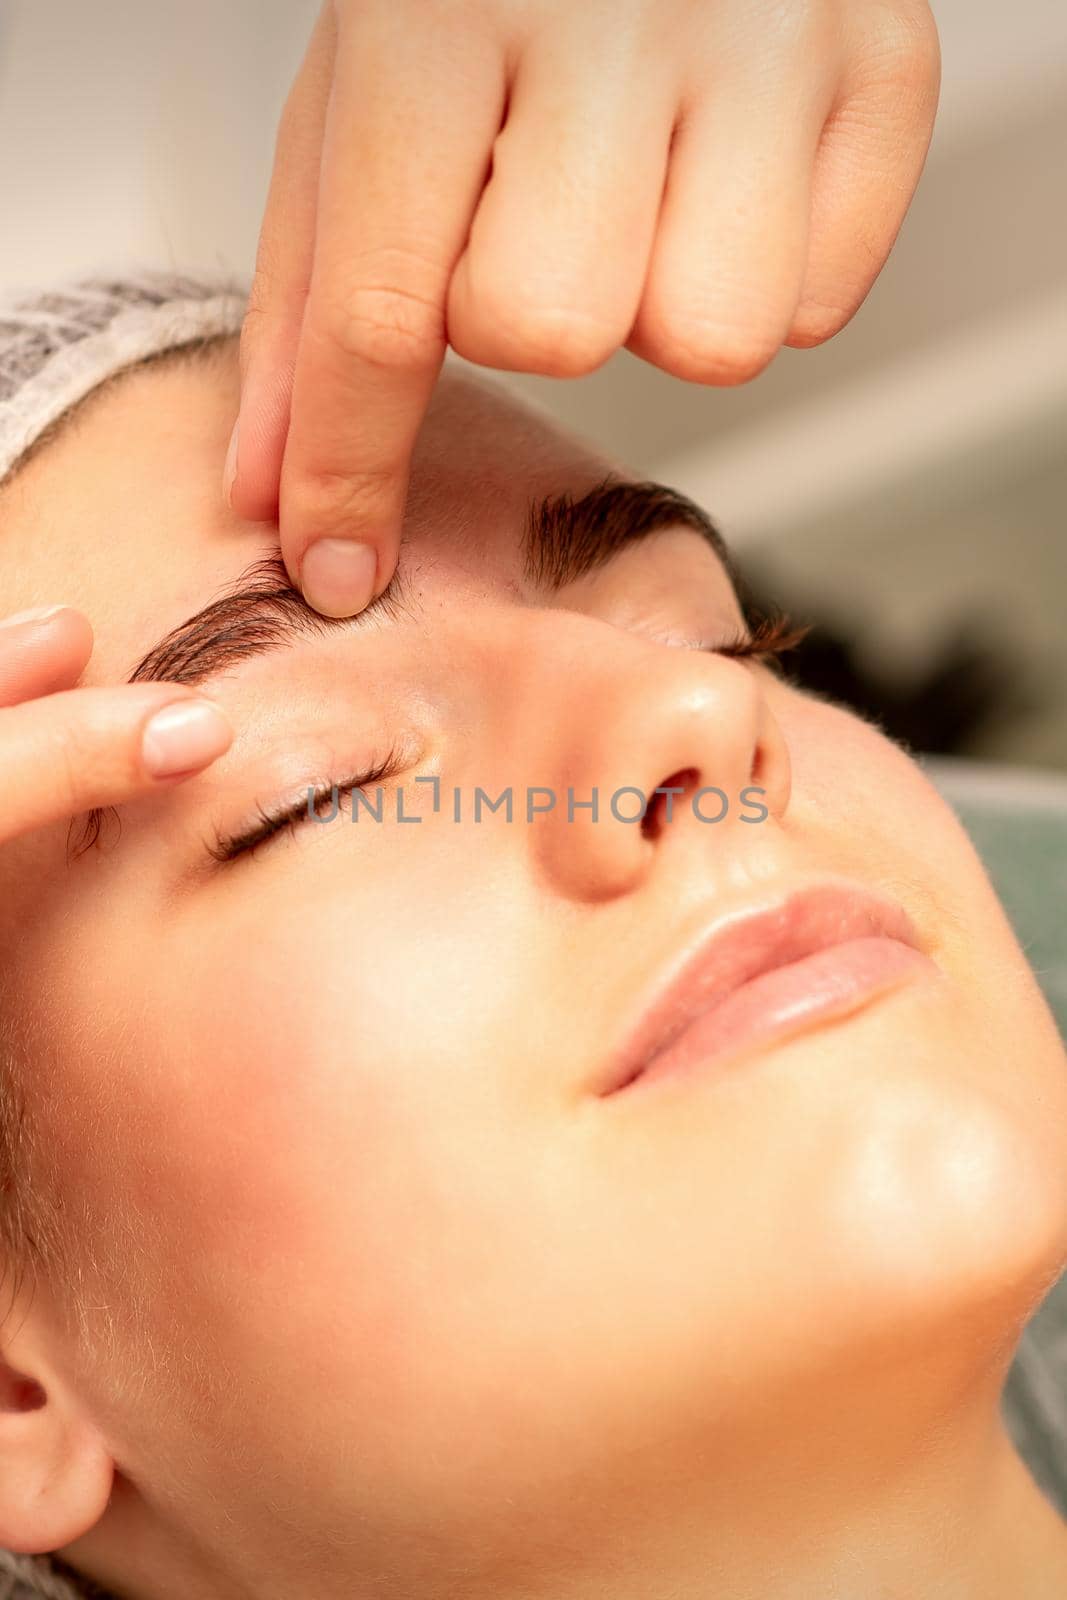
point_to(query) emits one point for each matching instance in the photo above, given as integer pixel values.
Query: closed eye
(769, 638)
(287, 817)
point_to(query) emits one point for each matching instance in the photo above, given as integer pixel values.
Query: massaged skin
(371, 1288)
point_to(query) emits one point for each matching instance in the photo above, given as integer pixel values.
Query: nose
(656, 752)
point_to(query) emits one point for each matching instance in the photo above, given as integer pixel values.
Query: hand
(539, 182)
(65, 750)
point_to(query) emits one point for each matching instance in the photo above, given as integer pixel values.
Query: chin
(953, 1221)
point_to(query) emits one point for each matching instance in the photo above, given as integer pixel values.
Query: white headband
(56, 347)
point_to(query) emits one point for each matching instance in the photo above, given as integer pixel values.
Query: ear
(55, 1469)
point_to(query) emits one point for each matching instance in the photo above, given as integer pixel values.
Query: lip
(760, 974)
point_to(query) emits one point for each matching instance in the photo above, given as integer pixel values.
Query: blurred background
(902, 488)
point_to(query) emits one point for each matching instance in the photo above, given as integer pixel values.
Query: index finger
(405, 157)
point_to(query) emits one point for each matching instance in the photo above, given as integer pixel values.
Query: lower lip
(829, 983)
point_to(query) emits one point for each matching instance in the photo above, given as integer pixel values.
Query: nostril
(22, 1394)
(758, 775)
(663, 804)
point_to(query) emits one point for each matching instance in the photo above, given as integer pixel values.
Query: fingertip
(184, 737)
(47, 623)
(36, 614)
(338, 577)
(42, 650)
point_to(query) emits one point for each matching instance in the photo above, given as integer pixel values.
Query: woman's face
(358, 1217)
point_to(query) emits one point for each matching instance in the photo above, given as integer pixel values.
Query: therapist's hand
(537, 183)
(65, 750)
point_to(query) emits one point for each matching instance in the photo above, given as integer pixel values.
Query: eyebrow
(565, 538)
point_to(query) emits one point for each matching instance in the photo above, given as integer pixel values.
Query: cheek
(871, 806)
(865, 806)
(850, 781)
(230, 1117)
(254, 1187)
(302, 1093)
(287, 1096)
(967, 1158)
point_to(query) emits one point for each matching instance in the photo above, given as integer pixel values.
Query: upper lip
(740, 945)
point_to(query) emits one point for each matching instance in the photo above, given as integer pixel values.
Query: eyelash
(768, 639)
(287, 818)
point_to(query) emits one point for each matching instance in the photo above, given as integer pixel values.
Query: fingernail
(183, 737)
(36, 614)
(229, 471)
(337, 576)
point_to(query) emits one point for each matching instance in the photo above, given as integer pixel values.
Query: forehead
(123, 514)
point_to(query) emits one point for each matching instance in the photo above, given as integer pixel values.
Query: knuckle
(259, 306)
(70, 768)
(332, 498)
(67, 759)
(82, 765)
(906, 52)
(795, 26)
(255, 324)
(713, 350)
(389, 325)
(815, 322)
(251, 325)
(558, 341)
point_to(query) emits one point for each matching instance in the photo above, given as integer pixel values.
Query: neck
(946, 1509)
(961, 1524)
(957, 1516)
